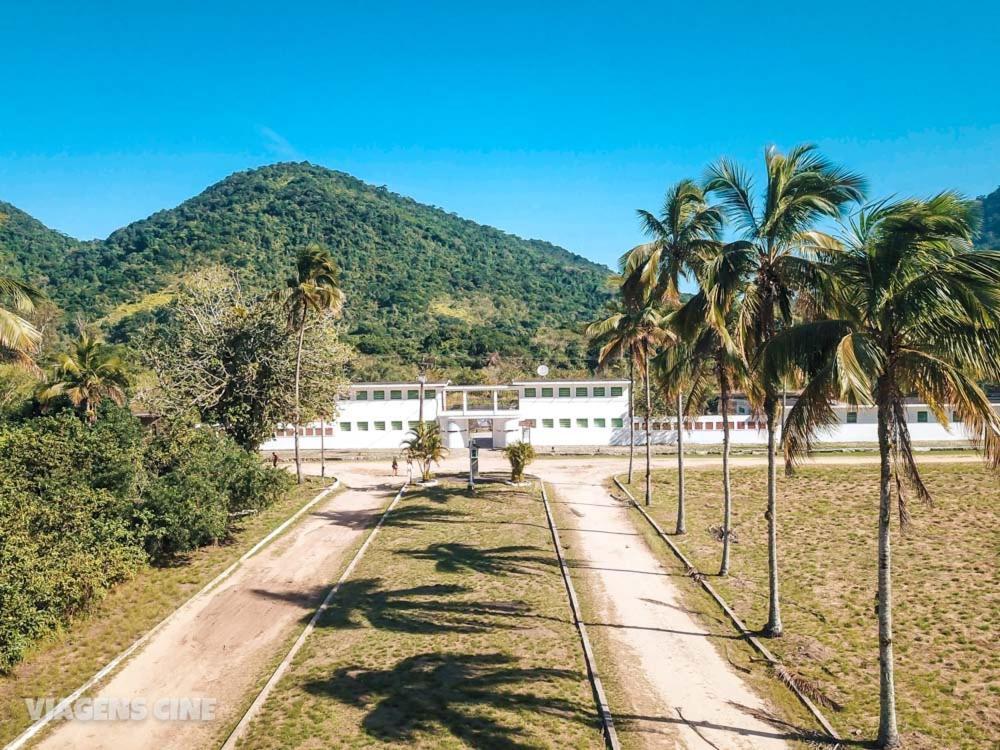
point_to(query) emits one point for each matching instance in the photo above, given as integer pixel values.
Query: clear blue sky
(550, 120)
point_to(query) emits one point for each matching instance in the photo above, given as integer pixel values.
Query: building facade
(557, 413)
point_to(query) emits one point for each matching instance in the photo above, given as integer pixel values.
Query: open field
(945, 577)
(453, 631)
(61, 663)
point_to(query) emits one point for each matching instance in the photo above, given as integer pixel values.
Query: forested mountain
(417, 278)
(989, 235)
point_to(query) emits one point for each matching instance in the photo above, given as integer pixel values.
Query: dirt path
(685, 693)
(219, 645)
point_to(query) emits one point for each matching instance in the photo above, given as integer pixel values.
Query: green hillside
(989, 235)
(417, 278)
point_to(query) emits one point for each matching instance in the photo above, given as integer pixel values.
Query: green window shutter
(395, 395)
(380, 426)
(378, 395)
(345, 426)
(582, 423)
(429, 393)
(546, 393)
(548, 423)
(581, 391)
(564, 393)
(602, 423)
(363, 426)
(397, 426)
(412, 424)
(852, 417)
(565, 423)
(599, 392)
(617, 422)
(361, 396)
(921, 416)
(411, 395)
(529, 392)
(616, 390)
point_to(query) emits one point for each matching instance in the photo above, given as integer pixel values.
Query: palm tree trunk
(727, 498)
(322, 448)
(649, 408)
(680, 462)
(888, 734)
(298, 410)
(773, 628)
(631, 417)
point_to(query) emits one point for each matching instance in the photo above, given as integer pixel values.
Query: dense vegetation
(417, 279)
(989, 233)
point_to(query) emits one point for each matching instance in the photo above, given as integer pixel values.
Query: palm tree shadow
(453, 557)
(457, 693)
(407, 516)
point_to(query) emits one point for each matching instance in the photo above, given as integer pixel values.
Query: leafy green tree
(915, 309)
(89, 373)
(19, 339)
(520, 454)
(314, 288)
(767, 269)
(425, 445)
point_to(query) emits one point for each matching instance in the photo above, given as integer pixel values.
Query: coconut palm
(916, 310)
(19, 339)
(314, 288)
(89, 373)
(768, 267)
(425, 446)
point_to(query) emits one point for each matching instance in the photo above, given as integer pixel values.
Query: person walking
(274, 460)
(395, 467)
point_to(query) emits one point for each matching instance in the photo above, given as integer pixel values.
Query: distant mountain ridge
(989, 235)
(418, 279)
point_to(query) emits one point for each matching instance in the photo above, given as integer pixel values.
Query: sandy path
(219, 645)
(684, 689)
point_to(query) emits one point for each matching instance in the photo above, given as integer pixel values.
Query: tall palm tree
(314, 288)
(916, 310)
(425, 445)
(86, 375)
(19, 339)
(769, 266)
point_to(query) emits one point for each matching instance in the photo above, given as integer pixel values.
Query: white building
(557, 413)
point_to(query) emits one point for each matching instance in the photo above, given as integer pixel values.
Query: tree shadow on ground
(457, 693)
(418, 609)
(453, 557)
(407, 516)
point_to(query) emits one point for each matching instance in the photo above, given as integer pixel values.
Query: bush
(520, 455)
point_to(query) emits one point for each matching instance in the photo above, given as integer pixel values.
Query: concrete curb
(600, 698)
(22, 739)
(761, 649)
(280, 670)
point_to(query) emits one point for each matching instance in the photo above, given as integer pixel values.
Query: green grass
(62, 662)
(454, 631)
(945, 587)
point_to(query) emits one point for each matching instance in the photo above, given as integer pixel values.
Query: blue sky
(549, 120)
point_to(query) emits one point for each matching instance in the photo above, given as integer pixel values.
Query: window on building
(599, 391)
(617, 423)
(921, 416)
(546, 393)
(955, 417)
(380, 426)
(361, 396)
(852, 417)
(395, 395)
(582, 392)
(429, 393)
(564, 392)
(616, 390)
(584, 423)
(397, 426)
(599, 422)
(378, 395)
(362, 426)
(548, 423)
(345, 426)
(412, 424)
(413, 395)
(529, 392)
(565, 423)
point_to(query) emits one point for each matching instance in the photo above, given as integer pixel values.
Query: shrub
(520, 455)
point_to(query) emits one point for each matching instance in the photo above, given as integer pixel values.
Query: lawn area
(454, 631)
(61, 663)
(946, 589)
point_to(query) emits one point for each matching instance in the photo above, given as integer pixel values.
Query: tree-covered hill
(417, 278)
(989, 235)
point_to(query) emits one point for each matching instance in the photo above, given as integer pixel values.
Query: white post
(495, 402)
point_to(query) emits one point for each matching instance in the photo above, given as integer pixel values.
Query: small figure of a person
(395, 467)
(274, 460)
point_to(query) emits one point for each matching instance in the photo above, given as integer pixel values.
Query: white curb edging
(20, 741)
(279, 672)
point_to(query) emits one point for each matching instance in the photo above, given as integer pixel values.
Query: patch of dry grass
(454, 631)
(59, 664)
(945, 586)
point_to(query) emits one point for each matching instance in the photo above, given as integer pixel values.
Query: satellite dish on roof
(542, 370)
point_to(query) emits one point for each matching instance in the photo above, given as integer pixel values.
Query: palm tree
(916, 310)
(767, 266)
(425, 446)
(19, 339)
(91, 372)
(315, 288)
